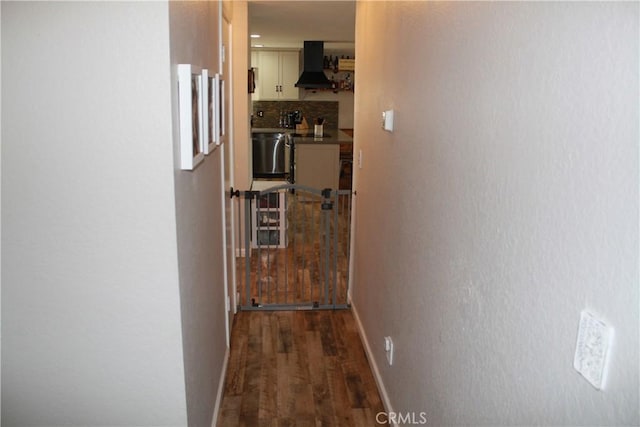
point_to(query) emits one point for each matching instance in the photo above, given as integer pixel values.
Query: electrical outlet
(388, 348)
(592, 349)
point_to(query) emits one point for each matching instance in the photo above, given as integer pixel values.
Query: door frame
(227, 172)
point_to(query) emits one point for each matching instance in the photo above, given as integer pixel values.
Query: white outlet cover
(592, 349)
(388, 348)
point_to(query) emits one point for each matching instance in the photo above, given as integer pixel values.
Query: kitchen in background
(294, 90)
(288, 75)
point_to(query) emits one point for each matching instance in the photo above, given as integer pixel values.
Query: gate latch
(327, 205)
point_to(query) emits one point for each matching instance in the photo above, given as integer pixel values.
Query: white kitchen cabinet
(277, 73)
(317, 165)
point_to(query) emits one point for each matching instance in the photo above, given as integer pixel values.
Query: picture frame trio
(201, 113)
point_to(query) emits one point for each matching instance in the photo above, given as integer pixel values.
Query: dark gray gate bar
(296, 248)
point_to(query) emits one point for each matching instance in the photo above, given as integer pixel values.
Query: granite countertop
(331, 135)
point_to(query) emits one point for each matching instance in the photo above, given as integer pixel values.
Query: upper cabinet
(276, 74)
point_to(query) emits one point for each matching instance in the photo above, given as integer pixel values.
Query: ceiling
(287, 24)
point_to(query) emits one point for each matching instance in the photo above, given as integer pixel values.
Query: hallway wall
(194, 31)
(90, 301)
(503, 204)
(112, 265)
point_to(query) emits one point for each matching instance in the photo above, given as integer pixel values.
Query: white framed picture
(208, 105)
(220, 130)
(190, 99)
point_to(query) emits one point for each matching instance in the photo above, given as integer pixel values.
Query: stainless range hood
(313, 76)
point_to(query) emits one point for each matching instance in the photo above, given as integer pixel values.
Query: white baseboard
(372, 362)
(223, 377)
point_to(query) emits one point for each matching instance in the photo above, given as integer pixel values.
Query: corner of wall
(220, 392)
(372, 360)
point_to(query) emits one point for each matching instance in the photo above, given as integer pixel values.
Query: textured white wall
(90, 300)
(194, 40)
(508, 203)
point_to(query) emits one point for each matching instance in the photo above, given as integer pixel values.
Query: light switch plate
(387, 120)
(592, 349)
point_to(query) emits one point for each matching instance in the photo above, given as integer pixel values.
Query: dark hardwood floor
(298, 368)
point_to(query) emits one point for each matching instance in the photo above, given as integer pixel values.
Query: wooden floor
(298, 368)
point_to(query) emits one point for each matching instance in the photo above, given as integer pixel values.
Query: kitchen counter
(336, 136)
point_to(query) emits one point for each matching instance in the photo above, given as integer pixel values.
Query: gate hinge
(327, 205)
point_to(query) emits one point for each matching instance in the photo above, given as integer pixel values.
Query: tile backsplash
(310, 110)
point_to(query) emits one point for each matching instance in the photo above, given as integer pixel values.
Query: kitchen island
(317, 162)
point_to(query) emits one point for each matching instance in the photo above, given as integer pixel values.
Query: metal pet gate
(296, 243)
